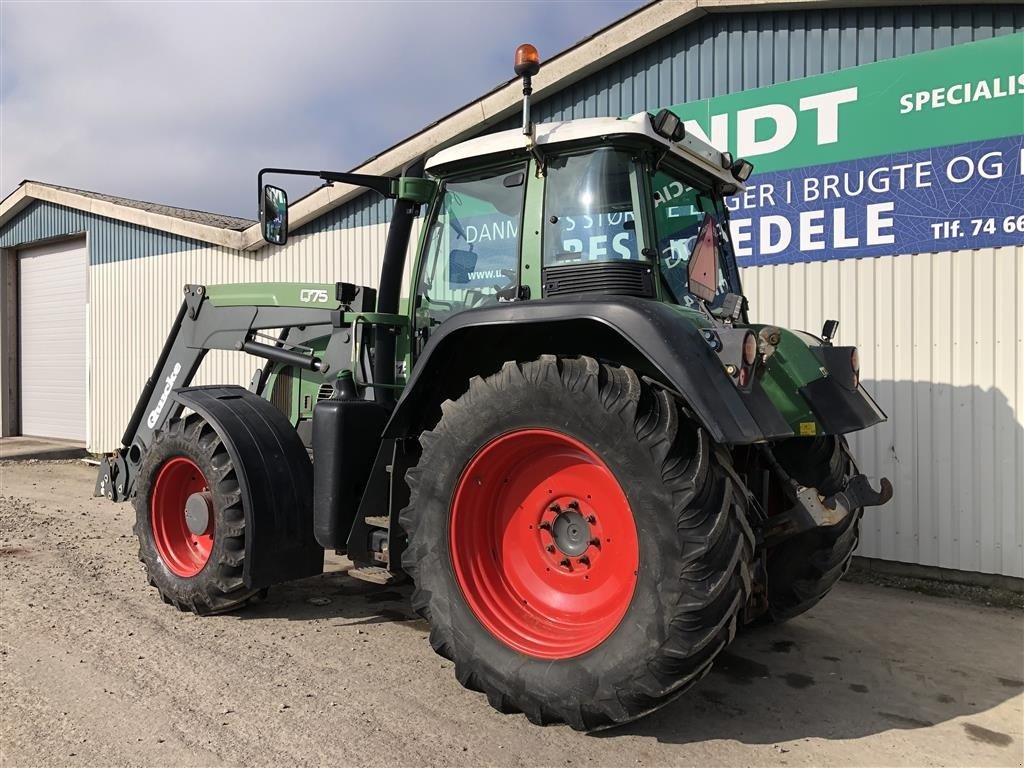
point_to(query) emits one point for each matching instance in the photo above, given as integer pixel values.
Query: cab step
(382, 521)
(375, 574)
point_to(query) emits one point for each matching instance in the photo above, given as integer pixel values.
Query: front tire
(189, 520)
(576, 545)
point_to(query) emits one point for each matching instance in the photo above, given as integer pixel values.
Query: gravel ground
(96, 670)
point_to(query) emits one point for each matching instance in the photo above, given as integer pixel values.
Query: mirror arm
(385, 185)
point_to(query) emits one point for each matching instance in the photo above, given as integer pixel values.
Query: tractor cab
(628, 207)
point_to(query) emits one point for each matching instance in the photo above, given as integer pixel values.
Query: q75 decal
(313, 295)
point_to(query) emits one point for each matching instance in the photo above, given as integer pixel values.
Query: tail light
(737, 349)
(749, 349)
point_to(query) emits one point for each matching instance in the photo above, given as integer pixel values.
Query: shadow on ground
(867, 660)
(350, 602)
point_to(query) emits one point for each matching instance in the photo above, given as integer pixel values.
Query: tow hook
(859, 493)
(811, 510)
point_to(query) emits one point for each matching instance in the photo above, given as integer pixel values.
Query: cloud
(182, 103)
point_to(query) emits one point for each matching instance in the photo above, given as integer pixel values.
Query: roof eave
(30, 191)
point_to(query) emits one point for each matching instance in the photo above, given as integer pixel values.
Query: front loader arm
(203, 324)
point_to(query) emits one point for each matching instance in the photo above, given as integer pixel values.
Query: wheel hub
(571, 533)
(198, 508)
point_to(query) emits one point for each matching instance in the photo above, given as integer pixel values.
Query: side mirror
(702, 270)
(274, 215)
(460, 264)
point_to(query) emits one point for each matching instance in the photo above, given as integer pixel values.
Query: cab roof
(551, 135)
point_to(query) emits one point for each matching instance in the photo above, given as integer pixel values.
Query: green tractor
(593, 467)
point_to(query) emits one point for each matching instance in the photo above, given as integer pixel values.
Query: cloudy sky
(182, 103)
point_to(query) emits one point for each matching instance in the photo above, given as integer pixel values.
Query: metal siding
(727, 53)
(940, 333)
(148, 291)
(942, 351)
(942, 367)
(109, 240)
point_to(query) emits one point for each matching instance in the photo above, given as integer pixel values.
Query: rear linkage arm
(198, 328)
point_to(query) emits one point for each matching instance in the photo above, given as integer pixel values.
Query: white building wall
(941, 337)
(942, 350)
(133, 304)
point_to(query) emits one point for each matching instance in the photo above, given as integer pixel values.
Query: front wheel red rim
(184, 552)
(543, 543)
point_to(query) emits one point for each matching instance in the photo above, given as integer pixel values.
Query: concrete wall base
(934, 573)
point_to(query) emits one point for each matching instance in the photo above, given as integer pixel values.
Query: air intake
(620, 278)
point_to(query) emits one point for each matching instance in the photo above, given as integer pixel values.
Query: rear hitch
(812, 510)
(859, 493)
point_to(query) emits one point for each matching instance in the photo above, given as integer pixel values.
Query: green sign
(913, 155)
(966, 93)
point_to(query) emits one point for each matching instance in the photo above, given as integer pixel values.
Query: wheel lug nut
(550, 547)
(591, 519)
(555, 508)
(574, 505)
(595, 542)
(545, 526)
(565, 562)
(584, 560)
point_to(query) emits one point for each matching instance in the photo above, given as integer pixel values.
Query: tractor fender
(649, 336)
(275, 478)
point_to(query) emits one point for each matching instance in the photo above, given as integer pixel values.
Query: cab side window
(473, 245)
(681, 215)
(588, 208)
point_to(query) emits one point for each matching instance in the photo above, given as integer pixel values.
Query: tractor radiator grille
(622, 278)
(281, 394)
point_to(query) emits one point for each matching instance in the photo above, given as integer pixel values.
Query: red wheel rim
(183, 552)
(543, 543)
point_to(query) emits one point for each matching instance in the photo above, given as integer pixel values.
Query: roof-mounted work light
(742, 169)
(666, 123)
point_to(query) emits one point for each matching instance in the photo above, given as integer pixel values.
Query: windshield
(588, 208)
(686, 221)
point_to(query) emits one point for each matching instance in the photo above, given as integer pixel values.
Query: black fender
(275, 477)
(649, 336)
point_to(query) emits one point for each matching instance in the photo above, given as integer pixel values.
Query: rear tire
(199, 572)
(802, 570)
(681, 547)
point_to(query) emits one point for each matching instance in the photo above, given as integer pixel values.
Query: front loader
(592, 466)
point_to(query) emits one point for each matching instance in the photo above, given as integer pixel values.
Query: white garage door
(52, 299)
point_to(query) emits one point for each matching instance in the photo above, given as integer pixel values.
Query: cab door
(472, 246)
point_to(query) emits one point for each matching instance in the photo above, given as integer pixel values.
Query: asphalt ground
(96, 670)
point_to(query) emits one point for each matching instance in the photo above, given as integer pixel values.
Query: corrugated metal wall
(727, 53)
(134, 302)
(942, 350)
(941, 333)
(109, 240)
